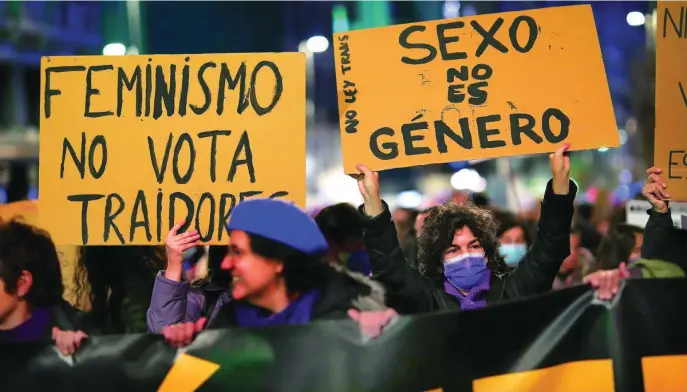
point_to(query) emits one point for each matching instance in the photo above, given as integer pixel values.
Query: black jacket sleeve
(407, 290)
(662, 240)
(536, 272)
(68, 318)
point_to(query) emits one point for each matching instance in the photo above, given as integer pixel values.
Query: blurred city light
(114, 49)
(468, 179)
(603, 149)
(337, 187)
(132, 50)
(625, 176)
(317, 44)
(409, 199)
(623, 136)
(310, 165)
(451, 9)
(635, 18)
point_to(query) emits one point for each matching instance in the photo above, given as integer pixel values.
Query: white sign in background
(637, 216)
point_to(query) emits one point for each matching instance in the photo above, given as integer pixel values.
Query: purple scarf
(475, 298)
(298, 312)
(34, 329)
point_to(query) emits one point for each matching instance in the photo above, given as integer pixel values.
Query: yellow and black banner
(563, 341)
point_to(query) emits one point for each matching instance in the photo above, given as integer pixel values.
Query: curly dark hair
(26, 248)
(439, 229)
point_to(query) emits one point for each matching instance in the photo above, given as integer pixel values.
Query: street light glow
(114, 49)
(635, 18)
(317, 44)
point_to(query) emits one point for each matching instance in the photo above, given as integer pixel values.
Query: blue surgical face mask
(513, 253)
(465, 271)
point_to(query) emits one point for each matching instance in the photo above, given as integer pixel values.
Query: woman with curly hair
(459, 264)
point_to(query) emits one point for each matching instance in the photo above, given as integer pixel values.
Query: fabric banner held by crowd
(562, 341)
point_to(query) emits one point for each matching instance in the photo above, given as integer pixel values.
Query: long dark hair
(113, 275)
(439, 229)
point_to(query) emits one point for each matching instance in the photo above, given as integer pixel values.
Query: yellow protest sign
(487, 86)
(670, 140)
(27, 212)
(132, 144)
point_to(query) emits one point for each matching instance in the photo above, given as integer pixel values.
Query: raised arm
(537, 271)
(407, 290)
(662, 240)
(172, 302)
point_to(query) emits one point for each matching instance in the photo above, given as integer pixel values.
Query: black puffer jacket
(663, 241)
(408, 291)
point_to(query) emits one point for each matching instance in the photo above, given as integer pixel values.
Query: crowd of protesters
(285, 267)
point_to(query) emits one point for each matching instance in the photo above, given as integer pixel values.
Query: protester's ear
(24, 283)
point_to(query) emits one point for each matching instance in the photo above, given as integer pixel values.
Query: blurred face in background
(637, 250)
(515, 235)
(513, 245)
(252, 275)
(571, 261)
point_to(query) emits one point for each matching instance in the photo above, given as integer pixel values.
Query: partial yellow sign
(592, 375)
(670, 140)
(27, 212)
(665, 373)
(188, 373)
(487, 86)
(130, 145)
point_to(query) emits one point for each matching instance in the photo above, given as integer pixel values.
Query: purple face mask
(465, 271)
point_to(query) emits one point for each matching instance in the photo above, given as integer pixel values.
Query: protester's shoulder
(653, 268)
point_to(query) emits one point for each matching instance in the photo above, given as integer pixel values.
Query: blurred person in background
(589, 237)
(662, 250)
(119, 282)
(195, 262)
(279, 277)
(617, 216)
(514, 238)
(343, 228)
(577, 265)
(404, 218)
(31, 289)
(460, 266)
(663, 243)
(481, 200)
(623, 244)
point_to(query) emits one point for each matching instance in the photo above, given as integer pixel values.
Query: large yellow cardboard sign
(27, 212)
(670, 147)
(130, 145)
(458, 89)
